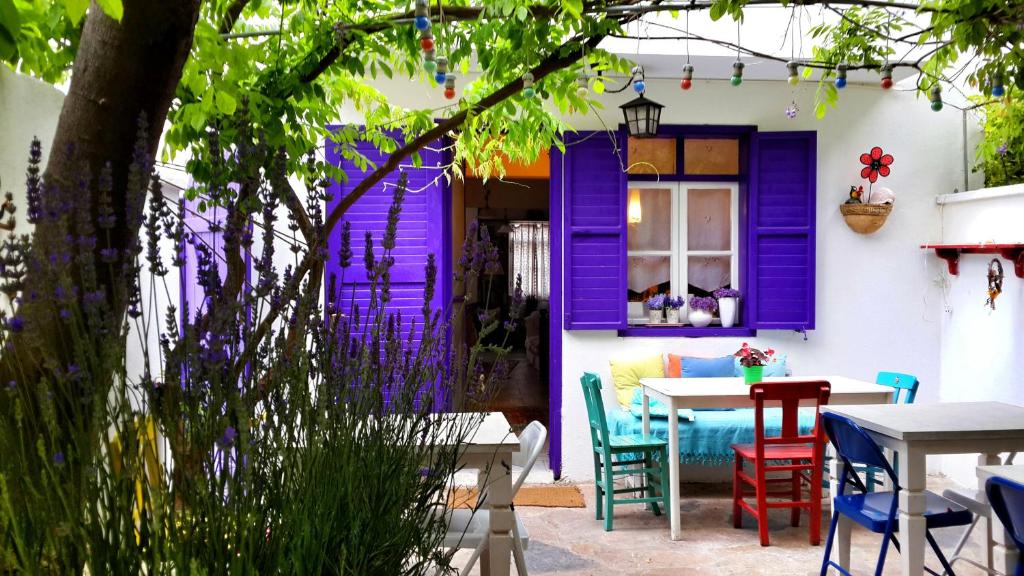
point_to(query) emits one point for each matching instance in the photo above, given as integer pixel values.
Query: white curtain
(529, 257)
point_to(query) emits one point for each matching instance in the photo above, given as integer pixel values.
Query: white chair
(469, 528)
(977, 503)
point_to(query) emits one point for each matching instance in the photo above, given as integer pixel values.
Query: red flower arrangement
(753, 357)
(875, 164)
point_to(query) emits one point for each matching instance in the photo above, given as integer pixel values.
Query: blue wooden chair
(619, 456)
(876, 511)
(1007, 500)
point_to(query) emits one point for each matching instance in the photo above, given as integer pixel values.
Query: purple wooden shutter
(593, 191)
(422, 229)
(782, 230)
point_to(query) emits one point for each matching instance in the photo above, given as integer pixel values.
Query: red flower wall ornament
(875, 164)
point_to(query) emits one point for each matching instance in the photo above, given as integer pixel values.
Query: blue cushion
(776, 367)
(707, 367)
(656, 408)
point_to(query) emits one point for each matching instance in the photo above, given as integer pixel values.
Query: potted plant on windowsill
(728, 305)
(753, 362)
(673, 305)
(702, 310)
(655, 304)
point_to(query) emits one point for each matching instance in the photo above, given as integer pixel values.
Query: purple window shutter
(593, 191)
(422, 230)
(781, 235)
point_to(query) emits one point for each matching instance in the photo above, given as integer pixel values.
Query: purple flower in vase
(726, 293)
(704, 303)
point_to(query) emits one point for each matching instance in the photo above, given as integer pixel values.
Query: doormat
(543, 496)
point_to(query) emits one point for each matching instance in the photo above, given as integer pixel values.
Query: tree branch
(231, 15)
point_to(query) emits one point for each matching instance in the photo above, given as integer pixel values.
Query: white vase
(728, 309)
(673, 315)
(655, 316)
(700, 318)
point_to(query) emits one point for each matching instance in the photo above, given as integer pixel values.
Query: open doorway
(515, 211)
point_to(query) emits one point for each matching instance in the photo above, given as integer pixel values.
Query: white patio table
(679, 393)
(917, 430)
(1005, 552)
(489, 451)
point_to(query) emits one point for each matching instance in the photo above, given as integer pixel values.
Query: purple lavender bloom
(58, 458)
(65, 314)
(12, 385)
(228, 438)
(1002, 150)
(16, 324)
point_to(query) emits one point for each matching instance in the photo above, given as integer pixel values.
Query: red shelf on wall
(951, 254)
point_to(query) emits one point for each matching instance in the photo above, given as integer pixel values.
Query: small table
(1005, 552)
(918, 430)
(489, 450)
(680, 393)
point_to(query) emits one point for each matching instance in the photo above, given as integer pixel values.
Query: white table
(680, 393)
(917, 430)
(1005, 552)
(489, 451)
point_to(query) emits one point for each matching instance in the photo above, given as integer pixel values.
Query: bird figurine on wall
(855, 194)
(995, 282)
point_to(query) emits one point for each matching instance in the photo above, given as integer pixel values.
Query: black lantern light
(642, 115)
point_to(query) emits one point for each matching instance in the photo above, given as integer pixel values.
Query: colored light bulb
(422, 23)
(736, 80)
(686, 84)
(427, 43)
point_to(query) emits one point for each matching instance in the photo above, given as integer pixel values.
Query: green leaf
(573, 7)
(76, 9)
(225, 103)
(10, 24)
(112, 8)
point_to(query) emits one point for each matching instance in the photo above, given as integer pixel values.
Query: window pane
(711, 156)
(708, 273)
(709, 219)
(652, 155)
(654, 230)
(648, 275)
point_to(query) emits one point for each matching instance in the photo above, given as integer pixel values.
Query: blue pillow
(775, 368)
(707, 367)
(655, 409)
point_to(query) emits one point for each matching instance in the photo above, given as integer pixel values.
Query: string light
(794, 74)
(935, 96)
(737, 66)
(422, 13)
(687, 81)
(442, 70)
(449, 86)
(886, 76)
(841, 76)
(528, 89)
(998, 90)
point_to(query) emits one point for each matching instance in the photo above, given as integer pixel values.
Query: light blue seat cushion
(706, 439)
(656, 409)
(777, 366)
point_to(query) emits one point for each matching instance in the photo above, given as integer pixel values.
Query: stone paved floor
(571, 542)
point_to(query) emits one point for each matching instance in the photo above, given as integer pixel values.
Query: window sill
(688, 331)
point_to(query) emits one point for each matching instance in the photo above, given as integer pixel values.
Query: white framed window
(683, 240)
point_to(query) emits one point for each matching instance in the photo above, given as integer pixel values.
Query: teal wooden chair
(626, 455)
(904, 392)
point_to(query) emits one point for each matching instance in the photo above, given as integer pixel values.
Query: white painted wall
(980, 348)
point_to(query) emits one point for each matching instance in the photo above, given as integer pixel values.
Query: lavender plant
(262, 431)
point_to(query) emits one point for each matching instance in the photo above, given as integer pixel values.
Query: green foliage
(1001, 152)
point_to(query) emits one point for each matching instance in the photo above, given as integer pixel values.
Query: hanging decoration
(995, 282)
(935, 97)
(528, 89)
(582, 84)
(429, 62)
(737, 66)
(863, 213)
(886, 76)
(794, 72)
(792, 110)
(876, 163)
(442, 70)
(998, 90)
(639, 84)
(449, 86)
(427, 40)
(687, 82)
(422, 13)
(840, 81)
(642, 116)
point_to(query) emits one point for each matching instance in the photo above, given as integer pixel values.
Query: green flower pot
(752, 374)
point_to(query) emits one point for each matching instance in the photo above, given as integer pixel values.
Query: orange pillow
(675, 366)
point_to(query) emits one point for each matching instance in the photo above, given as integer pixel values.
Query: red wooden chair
(799, 457)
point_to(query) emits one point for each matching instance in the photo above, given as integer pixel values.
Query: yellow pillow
(626, 375)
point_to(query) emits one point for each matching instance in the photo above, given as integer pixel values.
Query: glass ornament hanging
(528, 89)
(687, 82)
(442, 70)
(935, 97)
(449, 86)
(840, 81)
(794, 73)
(886, 77)
(737, 73)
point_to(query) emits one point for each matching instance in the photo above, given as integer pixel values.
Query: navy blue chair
(1007, 500)
(877, 511)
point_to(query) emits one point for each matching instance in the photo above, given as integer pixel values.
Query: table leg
(1001, 552)
(911, 510)
(495, 559)
(673, 471)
